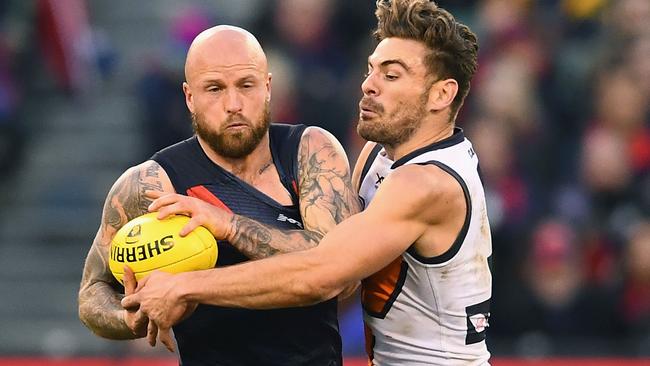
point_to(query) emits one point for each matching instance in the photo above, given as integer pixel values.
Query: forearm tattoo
(256, 240)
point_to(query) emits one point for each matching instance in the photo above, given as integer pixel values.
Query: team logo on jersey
(477, 321)
(284, 218)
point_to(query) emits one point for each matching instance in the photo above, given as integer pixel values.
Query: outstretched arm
(99, 301)
(325, 193)
(354, 249)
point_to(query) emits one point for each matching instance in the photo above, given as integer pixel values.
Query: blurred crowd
(559, 117)
(558, 114)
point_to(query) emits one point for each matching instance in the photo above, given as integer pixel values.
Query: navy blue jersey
(228, 336)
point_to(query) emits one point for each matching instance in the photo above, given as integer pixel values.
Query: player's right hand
(134, 318)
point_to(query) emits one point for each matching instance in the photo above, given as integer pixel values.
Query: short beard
(233, 145)
(396, 128)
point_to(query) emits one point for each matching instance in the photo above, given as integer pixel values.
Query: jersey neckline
(456, 138)
(243, 184)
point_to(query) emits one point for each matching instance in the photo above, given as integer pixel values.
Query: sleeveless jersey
(432, 310)
(215, 335)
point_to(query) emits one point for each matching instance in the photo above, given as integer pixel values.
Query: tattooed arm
(325, 194)
(99, 301)
(326, 198)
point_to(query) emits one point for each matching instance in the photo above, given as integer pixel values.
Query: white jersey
(432, 310)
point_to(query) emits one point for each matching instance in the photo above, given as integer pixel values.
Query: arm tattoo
(326, 198)
(251, 237)
(99, 302)
(326, 194)
(256, 240)
(132, 195)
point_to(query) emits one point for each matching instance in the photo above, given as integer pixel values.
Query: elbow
(86, 318)
(313, 291)
(82, 312)
(89, 319)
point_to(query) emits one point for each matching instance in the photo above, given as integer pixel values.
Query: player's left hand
(158, 298)
(216, 219)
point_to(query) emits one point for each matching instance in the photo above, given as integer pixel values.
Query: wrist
(231, 219)
(183, 287)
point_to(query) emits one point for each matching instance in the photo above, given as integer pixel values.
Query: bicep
(326, 193)
(366, 243)
(370, 240)
(126, 200)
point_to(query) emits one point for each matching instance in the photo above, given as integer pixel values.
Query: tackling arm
(354, 249)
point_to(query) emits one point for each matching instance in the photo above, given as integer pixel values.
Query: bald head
(224, 47)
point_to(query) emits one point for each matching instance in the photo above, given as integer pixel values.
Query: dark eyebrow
(396, 61)
(391, 62)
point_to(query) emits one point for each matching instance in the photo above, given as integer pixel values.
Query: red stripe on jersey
(295, 187)
(204, 194)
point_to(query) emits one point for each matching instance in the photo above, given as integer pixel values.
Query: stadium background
(558, 114)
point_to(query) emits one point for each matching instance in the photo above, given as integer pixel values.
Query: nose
(233, 102)
(369, 87)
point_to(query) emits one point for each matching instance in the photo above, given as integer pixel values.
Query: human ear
(442, 94)
(189, 100)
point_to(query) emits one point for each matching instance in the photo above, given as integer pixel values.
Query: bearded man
(422, 244)
(286, 186)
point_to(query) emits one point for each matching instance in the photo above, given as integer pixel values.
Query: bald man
(422, 245)
(287, 185)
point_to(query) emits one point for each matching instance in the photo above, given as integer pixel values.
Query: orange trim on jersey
(204, 194)
(378, 292)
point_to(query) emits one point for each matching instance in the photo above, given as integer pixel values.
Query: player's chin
(369, 130)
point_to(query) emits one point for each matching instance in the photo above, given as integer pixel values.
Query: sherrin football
(147, 244)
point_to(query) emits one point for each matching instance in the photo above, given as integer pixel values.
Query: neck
(247, 167)
(421, 138)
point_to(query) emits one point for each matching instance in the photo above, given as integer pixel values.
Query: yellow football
(147, 244)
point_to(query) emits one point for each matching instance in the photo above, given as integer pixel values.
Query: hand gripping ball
(147, 244)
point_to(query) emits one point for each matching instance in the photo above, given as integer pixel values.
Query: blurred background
(558, 114)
